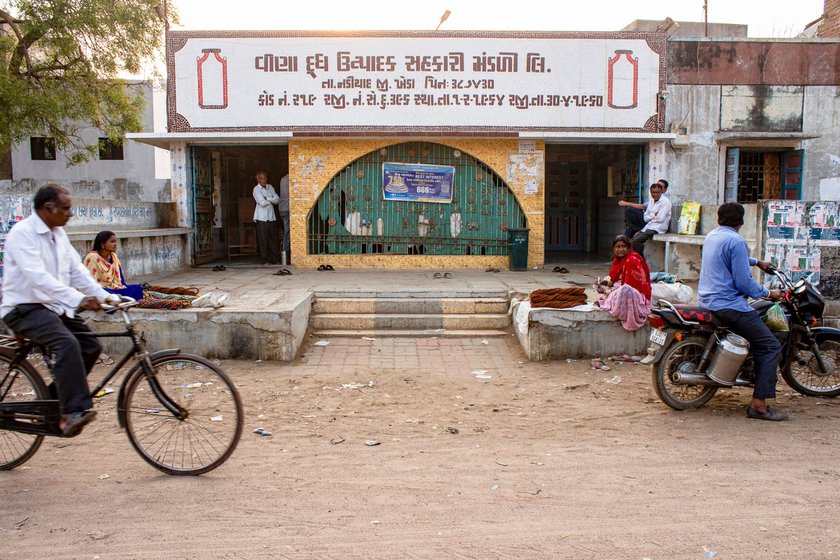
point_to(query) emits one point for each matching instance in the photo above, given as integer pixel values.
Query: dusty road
(548, 460)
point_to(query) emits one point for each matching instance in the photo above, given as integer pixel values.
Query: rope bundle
(154, 303)
(172, 291)
(558, 298)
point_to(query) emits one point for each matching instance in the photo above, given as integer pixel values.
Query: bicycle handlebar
(124, 302)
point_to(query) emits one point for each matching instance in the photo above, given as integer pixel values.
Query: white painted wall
(133, 178)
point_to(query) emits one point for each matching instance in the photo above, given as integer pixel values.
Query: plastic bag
(775, 318)
(674, 293)
(689, 217)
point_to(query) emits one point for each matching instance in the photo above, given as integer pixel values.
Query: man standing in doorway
(283, 208)
(267, 235)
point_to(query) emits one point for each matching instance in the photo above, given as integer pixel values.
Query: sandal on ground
(492, 270)
(322, 267)
(219, 268)
(73, 423)
(328, 267)
(561, 269)
(447, 275)
(437, 275)
(283, 272)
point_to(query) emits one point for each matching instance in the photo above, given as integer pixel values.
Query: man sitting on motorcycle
(725, 283)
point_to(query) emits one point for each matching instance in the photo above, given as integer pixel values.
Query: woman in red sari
(628, 285)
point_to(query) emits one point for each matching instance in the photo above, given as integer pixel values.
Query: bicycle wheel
(22, 384)
(201, 441)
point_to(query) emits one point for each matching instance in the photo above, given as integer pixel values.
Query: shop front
(413, 150)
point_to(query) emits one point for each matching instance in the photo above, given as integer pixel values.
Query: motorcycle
(693, 355)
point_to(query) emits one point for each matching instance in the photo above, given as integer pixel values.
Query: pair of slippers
(282, 272)
(598, 363)
(219, 268)
(492, 270)
(326, 267)
(561, 269)
(444, 275)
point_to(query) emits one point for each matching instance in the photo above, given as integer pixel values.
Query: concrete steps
(410, 314)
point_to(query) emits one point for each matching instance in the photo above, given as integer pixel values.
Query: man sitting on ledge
(657, 217)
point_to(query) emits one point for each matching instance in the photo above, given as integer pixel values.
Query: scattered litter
(102, 392)
(322, 343)
(194, 385)
(258, 361)
(485, 342)
(97, 535)
(499, 463)
(452, 430)
(577, 386)
(307, 416)
(478, 372)
(217, 418)
(375, 522)
(357, 385)
(495, 487)
(262, 432)
(434, 331)
(336, 441)
(484, 377)
(569, 361)
(368, 338)
(372, 442)
(614, 380)
(104, 476)
(709, 553)
(106, 359)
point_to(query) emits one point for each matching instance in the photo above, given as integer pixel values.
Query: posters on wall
(796, 233)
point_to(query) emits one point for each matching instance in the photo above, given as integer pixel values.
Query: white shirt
(658, 215)
(41, 266)
(265, 197)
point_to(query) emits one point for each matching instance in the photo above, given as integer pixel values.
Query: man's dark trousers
(764, 347)
(634, 219)
(73, 357)
(268, 241)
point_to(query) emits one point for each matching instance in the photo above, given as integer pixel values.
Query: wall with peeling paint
(132, 178)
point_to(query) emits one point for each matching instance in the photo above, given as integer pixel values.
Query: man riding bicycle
(44, 284)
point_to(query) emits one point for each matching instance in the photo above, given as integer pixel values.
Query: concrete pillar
(180, 183)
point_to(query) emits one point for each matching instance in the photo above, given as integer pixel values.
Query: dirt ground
(542, 460)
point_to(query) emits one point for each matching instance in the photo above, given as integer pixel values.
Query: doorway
(583, 185)
(232, 238)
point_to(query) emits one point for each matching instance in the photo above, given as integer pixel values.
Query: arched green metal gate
(352, 217)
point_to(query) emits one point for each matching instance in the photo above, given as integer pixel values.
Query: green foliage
(61, 68)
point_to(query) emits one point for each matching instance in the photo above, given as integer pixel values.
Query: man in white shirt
(634, 213)
(268, 238)
(44, 283)
(657, 217)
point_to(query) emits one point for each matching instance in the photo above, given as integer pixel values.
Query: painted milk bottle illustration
(211, 71)
(623, 80)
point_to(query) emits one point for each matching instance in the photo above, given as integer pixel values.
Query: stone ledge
(557, 334)
(274, 332)
(88, 235)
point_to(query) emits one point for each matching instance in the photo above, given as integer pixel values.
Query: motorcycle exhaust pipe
(680, 378)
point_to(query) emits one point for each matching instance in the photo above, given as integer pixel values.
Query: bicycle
(181, 413)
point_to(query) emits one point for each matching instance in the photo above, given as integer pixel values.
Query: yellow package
(689, 218)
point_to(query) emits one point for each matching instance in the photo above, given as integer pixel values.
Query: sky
(765, 18)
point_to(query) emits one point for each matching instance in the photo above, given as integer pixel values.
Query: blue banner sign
(417, 181)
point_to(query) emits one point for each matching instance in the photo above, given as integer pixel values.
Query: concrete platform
(267, 316)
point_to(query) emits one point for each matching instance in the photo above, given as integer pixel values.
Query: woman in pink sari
(628, 286)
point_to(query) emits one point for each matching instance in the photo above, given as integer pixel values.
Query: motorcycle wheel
(681, 397)
(803, 373)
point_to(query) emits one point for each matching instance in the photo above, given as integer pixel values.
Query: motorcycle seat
(696, 314)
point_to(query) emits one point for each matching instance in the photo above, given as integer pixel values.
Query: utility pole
(706, 16)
